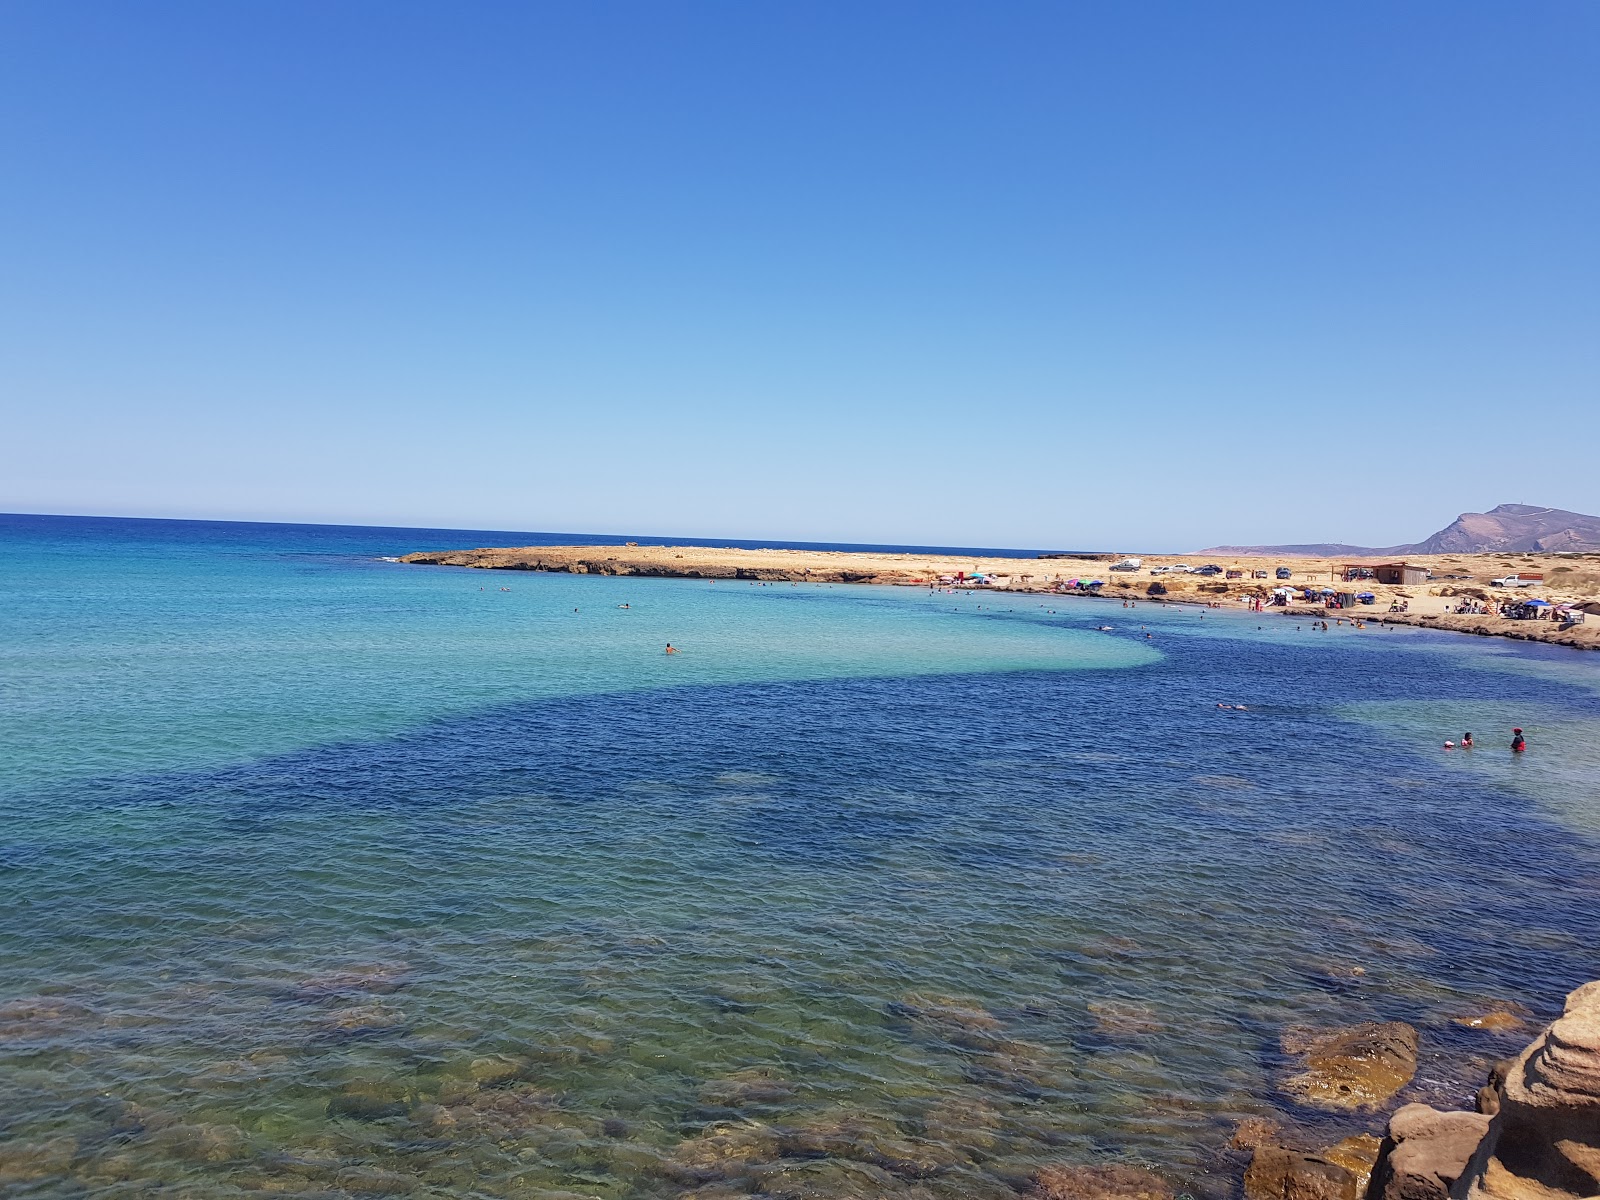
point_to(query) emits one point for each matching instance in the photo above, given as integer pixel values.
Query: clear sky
(1037, 274)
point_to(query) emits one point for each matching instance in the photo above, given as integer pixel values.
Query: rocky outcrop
(1338, 1172)
(1426, 1152)
(1358, 1067)
(1544, 1143)
(1577, 637)
(1487, 1100)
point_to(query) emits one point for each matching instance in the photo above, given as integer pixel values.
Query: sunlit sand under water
(458, 913)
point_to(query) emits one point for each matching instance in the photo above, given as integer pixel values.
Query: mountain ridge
(1508, 528)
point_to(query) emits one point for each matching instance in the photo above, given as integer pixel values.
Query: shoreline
(1455, 576)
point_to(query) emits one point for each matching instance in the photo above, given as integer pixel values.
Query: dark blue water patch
(1035, 790)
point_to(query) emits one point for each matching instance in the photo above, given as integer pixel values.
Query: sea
(327, 875)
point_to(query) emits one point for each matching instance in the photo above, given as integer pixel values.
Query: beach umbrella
(1328, 592)
(1537, 603)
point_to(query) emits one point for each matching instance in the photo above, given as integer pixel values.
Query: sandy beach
(1455, 579)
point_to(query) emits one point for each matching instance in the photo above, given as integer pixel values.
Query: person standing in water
(1466, 741)
(1518, 742)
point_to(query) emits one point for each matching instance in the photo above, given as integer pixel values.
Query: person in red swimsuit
(1518, 742)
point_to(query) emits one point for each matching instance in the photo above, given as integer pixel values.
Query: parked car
(1208, 569)
(1285, 573)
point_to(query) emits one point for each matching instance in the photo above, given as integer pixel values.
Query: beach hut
(1400, 573)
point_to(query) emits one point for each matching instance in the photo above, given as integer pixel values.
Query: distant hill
(1507, 527)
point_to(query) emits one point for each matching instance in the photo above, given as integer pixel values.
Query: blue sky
(1050, 274)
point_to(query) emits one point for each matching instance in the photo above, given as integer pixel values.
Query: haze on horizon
(936, 274)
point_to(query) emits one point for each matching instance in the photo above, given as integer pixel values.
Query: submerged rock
(491, 1069)
(720, 1154)
(1544, 1143)
(374, 979)
(201, 1143)
(22, 1161)
(1123, 1018)
(1110, 1181)
(368, 1104)
(969, 1123)
(753, 1088)
(359, 1020)
(374, 1181)
(40, 1017)
(1496, 1018)
(959, 1020)
(872, 1139)
(1426, 1152)
(1358, 1067)
(1252, 1132)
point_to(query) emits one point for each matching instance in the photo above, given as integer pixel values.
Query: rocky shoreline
(1578, 637)
(1534, 1133)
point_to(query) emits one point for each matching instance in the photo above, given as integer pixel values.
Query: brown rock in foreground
(1358, 1067)
(1339, 1172)
(1544, 1143)
(1426, 1152)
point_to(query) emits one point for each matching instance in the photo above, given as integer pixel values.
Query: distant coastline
(1427, 605)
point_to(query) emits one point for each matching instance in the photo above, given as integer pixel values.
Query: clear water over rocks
(322, 875)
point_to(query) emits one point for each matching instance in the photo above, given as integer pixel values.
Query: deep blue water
(339, 876)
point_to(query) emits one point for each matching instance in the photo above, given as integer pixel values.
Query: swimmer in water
(1449, 745)
(1466, 741)
(624, 606)
(1518, 742)
(671, 649)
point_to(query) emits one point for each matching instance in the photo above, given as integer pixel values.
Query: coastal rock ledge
(1544, 1143)
(1536, 1135)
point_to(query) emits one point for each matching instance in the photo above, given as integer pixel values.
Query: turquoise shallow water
(329, 876)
